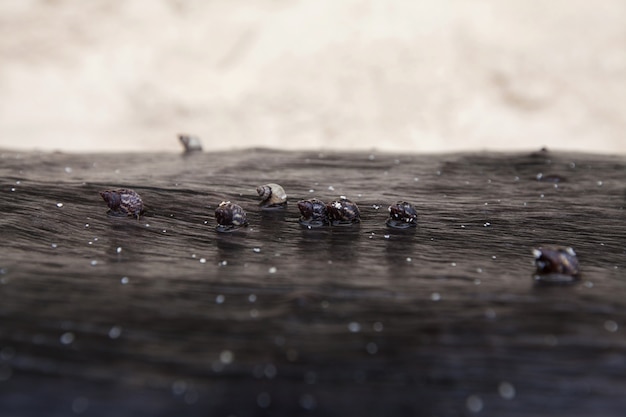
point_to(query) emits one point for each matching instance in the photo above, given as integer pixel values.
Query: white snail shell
(191, 143)
(272, 194)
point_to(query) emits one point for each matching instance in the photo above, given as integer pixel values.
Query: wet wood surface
(163, 316)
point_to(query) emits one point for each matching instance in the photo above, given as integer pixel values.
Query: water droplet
(474, 403)
(371, 157)
(68, 170)
(479, 270)
(254, 313)
(263, 400)
(86, 225)
(270, 371)
(256, 250)
(387, 236)
(453, 264)
(13, 189)
(80, 405)
(115, 332)
(223, 263)
(377, 326)
(311, 190)
(600, 183)
(435, 296)
(252, 298)
(67, 338)
(124, 280)
(54, 246)
(94, 262)
(588, 284)
(331, 188)
(506, 390)
(227, 357)
(611, 326)
(272, 270)
(371, 348)
(202, 260)
(119, 249)
(220, 299)
(408, 259)
(308, 402)
(59, 205)
(487, 224)
(179, 387)
(354, 327)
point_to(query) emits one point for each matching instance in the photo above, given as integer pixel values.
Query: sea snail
(273, 195)
(556, 264)
(229, 216)
(313, 212)
(191, 143)
(123, 202)
(402, 215)
(343, 212)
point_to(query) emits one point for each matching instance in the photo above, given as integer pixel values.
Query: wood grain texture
(163, 316)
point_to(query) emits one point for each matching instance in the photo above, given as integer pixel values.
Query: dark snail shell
(123, 202)
(402, 215)
(556, 265)
(343, 212)
(314, 213)
(230, 216)
(191, 143)
(273, 195)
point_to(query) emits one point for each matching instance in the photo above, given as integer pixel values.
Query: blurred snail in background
(343, 212)
(556, 264)
(123, 202)
(191, 143)
(314, 213)
(402, 215)
(229, 217)
(273, 195)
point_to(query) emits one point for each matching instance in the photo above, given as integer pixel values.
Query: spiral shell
(343, 211)
(230, 216)
(123, 202)
(402, 215)
(191, 143)
(556, 264)
(314, 213)
(273, 195)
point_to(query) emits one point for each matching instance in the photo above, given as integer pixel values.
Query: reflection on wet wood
(104, 315)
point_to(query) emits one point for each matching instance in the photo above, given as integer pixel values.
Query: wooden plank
(104, 315)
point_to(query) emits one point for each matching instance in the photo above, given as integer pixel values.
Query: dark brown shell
(273, 195)
(123, 202)
(556, 264)
(342, 212)
(402, 215)
(230, 216)
(314, 213)
(191, 143)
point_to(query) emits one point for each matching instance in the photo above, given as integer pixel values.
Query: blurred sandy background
(436, 75)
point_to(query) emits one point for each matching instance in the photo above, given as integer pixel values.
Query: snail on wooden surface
(556, 264)
(314, 213)
(343, 212)
(123, 202)
(273, 195)
(230, 216)
(191, 143)
(402, 215)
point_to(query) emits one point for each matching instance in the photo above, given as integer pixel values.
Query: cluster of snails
(555, 265)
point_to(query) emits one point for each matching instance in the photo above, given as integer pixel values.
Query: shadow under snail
(229, 217)
(556, 265)
(272, 195)
(123, 202)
